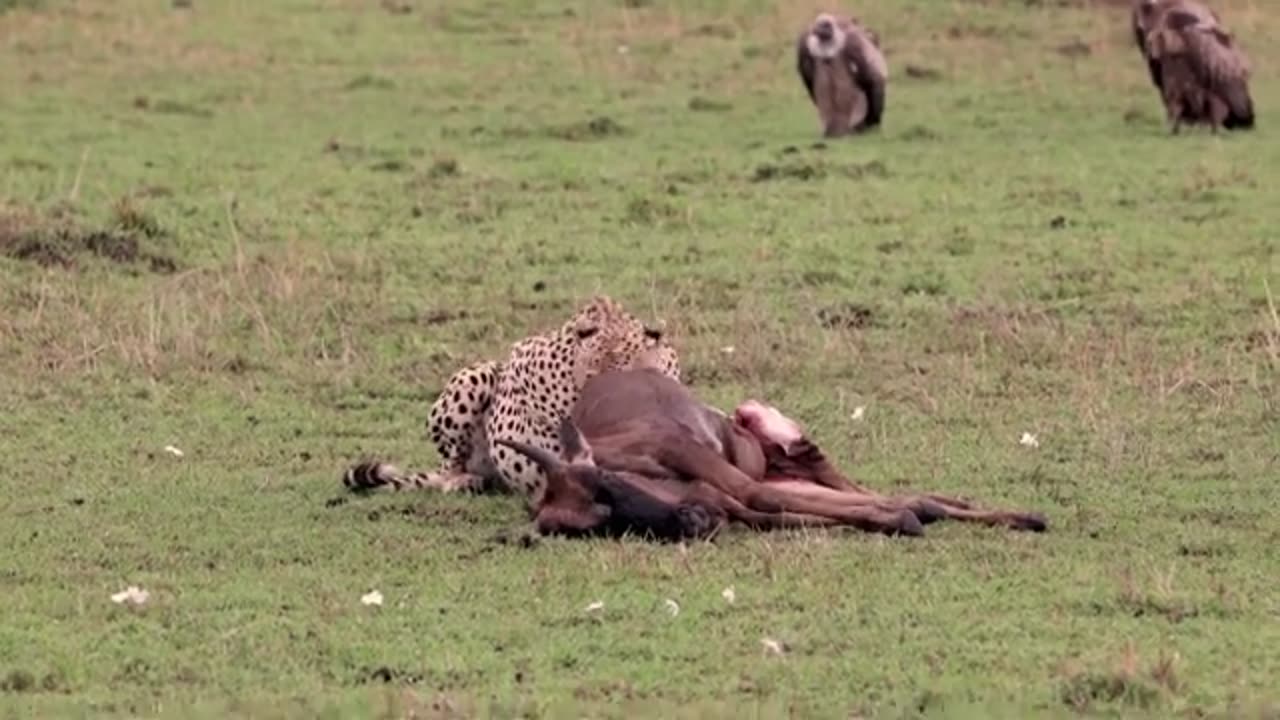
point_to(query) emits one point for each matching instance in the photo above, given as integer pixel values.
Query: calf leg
(782, 447)
(755, 519)
(1035, 522)
(703, 464)
(803, 460)
(927, 507)
(646, 449)
(706, 494)
(793, 459)
(924, 509)
(931, 507)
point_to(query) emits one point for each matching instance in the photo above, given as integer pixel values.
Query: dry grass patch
(55, 237)
(275, 308)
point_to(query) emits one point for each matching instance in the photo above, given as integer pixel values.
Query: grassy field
(265, 232)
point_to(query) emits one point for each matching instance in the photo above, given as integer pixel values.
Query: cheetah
(522, 400)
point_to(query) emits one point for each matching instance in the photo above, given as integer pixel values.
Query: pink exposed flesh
(767, 424)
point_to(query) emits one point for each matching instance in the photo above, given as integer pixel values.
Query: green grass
(266, 232)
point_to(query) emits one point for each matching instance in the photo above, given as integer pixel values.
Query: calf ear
(573, 446)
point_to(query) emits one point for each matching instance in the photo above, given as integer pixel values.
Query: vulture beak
(824, 31)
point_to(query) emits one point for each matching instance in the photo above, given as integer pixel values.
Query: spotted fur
(522, 400)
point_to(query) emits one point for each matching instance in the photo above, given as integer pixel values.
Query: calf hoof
(696, 521)
(1031, 522)
(929, 511)
(906, 523)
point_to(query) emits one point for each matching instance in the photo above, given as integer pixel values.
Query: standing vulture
(1195, 63)
(845, 73)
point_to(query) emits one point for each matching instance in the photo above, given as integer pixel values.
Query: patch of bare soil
(55, 239)
(808, 171)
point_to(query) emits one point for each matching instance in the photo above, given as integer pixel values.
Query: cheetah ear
(573, 446)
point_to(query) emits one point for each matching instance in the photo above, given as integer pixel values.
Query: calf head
(583, 498)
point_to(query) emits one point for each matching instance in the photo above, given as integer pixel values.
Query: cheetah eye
(653, 333)
(586, 332)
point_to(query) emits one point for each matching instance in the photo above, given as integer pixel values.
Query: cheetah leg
(517, 473)
(510, 421)
(456, 426)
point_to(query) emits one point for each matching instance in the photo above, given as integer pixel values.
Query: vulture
(845, 73)
(1195, 63)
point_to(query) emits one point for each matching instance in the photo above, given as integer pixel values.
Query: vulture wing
(1147, 18)
(870, 70)
(805, 64)
(1221, 68)
(1140, 19)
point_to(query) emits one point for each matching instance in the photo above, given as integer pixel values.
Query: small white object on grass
(173, 451)
(373, 597)
(596, 606)
(1029, 440)
(857, 413)
(131, 595)
(729, 595)
(728, 349)
(773, 647)
(672, 607)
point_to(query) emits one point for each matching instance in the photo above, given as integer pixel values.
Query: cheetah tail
(367, 477)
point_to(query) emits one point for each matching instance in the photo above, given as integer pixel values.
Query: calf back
(615, 402)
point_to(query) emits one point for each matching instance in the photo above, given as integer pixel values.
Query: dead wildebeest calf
(641, 454)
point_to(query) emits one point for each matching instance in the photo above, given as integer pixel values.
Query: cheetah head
(604, 336)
